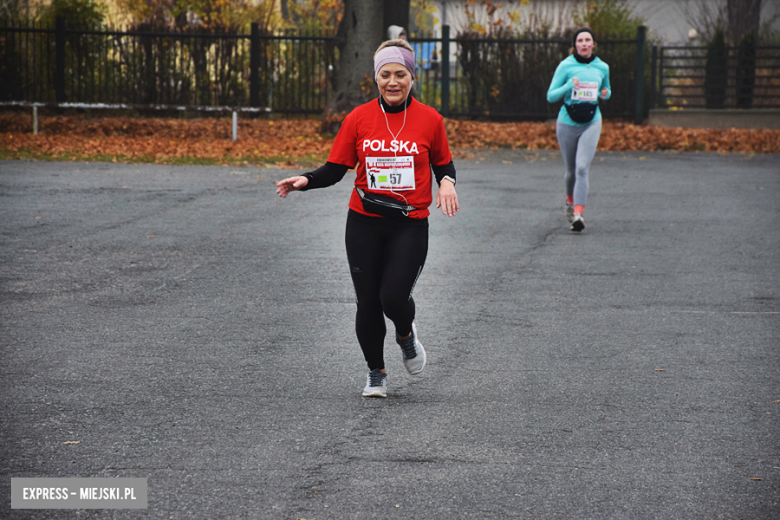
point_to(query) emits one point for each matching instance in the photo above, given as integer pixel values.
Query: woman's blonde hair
(395, 43)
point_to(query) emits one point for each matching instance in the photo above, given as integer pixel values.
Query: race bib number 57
(390, 173)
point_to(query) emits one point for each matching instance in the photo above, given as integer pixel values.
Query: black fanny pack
(384, 206)
(581, 112)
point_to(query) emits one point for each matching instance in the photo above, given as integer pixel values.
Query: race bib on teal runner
(586, 91)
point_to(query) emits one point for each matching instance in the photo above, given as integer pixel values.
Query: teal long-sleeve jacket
(562, 87)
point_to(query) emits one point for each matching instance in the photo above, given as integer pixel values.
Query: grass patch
(502, 145)
(695, 147)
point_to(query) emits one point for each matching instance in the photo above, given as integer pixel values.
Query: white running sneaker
(569, 212)
(577, 223)
(413, 352)
(376, 384)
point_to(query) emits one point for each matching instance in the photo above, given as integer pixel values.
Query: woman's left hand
(447, 198)
(604, 93)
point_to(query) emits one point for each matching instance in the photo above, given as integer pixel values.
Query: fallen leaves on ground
(616, 136)
(292, 143)
(124, 139)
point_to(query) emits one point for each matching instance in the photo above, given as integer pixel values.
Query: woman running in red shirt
(394, 141)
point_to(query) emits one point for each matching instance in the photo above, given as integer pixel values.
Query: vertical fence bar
(296, 48)
(247, 73)
(23, 42)
(282, 93)
(59, 71)
(254, 66)
(149, 69)
(135, 60)
(312, 72)
(102, 66)
(653, 65)
(661, 101)
(301, 58)
(279, 94)
(270, 65)
(288, 74)
(235, 125)
(445, 70)
(46, 66)
(641, 38)
(73, 87)
(108, 72)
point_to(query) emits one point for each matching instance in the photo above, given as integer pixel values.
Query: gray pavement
(185, 325)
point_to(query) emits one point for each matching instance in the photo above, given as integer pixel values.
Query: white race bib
(390, 173)
(586, 91)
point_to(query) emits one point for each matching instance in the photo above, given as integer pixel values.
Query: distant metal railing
(737, 82)
(102, 106)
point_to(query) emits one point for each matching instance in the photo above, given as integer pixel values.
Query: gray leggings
(578, 146)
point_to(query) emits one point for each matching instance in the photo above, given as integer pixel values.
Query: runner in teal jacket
(581, 80)
(562, 86)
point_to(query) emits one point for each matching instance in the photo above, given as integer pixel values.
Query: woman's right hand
(576, 82)
(289, 184)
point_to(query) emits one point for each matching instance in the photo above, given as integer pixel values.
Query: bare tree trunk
(360, 33)
(744, 25)
(744, 18)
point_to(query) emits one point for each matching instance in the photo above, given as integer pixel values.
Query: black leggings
(386, 256)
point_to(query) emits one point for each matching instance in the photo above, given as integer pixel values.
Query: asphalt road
(185, 325)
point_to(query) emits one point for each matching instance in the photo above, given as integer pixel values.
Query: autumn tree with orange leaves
(213, 16)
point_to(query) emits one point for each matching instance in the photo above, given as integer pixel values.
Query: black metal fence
(509, 78)
(731, 81)
(487, 78)
(288, 74)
